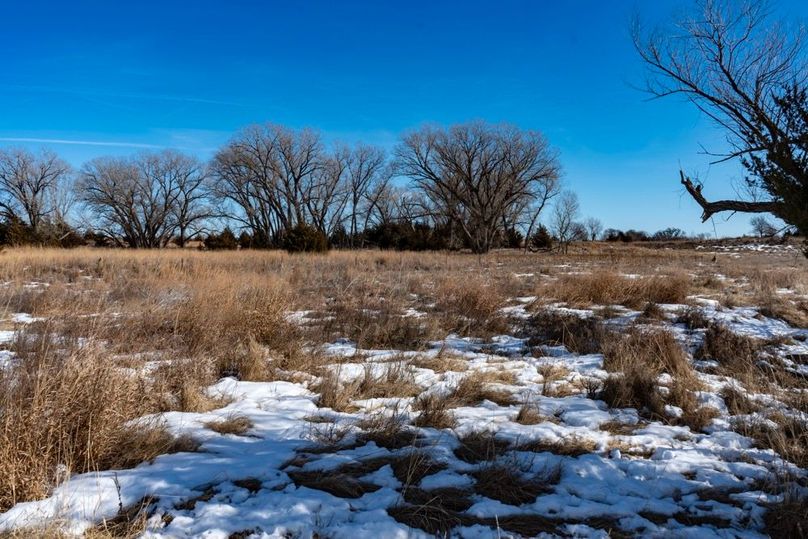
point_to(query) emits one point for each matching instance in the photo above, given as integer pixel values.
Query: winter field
(619, 391)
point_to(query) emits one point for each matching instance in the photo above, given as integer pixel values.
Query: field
(615, 391)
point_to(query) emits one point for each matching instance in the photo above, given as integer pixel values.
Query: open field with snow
(617, 392)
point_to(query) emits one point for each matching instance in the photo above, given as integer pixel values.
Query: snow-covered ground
(280, 478)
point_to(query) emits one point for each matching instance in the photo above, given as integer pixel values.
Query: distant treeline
(474, 186)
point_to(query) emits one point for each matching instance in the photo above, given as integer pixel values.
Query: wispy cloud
(121, 95)
(115, 144)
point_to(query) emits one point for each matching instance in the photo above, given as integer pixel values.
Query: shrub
(512, 238)
(223, 241)
(15, 232)
(304, 238)
(541, 239)
(405, 236)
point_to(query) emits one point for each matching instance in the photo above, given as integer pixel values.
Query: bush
(50, 233)
(224, 241)
(408, 236)
(304, 238)
(513, 238)
(245, 240)
(541, 239)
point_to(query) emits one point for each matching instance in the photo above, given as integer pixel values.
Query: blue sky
(90, 78)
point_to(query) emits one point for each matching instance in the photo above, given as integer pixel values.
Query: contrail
(80, 142)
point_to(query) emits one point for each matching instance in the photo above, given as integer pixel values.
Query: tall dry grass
(124, 335)
(606, 287)
(128, 333)
(66, 411)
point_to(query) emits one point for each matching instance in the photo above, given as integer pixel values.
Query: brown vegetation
(611, 288)
(132, 333)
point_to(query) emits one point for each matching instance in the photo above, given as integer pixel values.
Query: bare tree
(594, 228)
(367, 177)
(186, 178)
(748, 76)
(474, 174)
(544, 192)
(298, 161)
(564, 226)
(328, 193)
(31, 185)
(382, 204)
(276, 178)
(140, 201)
(762, 227)
(245, 184)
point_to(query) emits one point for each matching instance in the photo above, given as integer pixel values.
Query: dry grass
(440, 363)
(130, 522)
(529, 415)
(641, 356)
(394, 379)
(737, 402)
(474, 389)
(65, 411)
(694, 415)
(187, 318)
(480, 446)
(434, 411)
(611, 288)
(788, 437)
(387, 430)
(692, 318)
(378, 325)
(334, 394)
(234, 424)
(572, 446)
(736, 353)
(414, 466)
(471, 305)
(652, 349)
(789, 517)
(340, 485)
(435, 512)
(327, 436)
(652, 313)
(636, 388)
(550, 373)
(579, 335)
(181, 385)
(505, 483)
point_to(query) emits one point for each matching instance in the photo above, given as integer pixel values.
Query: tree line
(473, 185)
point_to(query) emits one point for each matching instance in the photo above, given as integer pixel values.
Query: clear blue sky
(95, 78)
